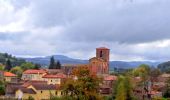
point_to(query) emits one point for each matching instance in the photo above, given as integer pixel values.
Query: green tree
(30, 98)
(17, 70)
(2, 88)
(8, 65)
(52, 63)
(37, 66)
(58, 65)
(1, 67)
(27, 65)
(121, 92)
(123, 88)
(167, 89)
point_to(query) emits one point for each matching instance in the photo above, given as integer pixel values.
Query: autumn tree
(84, 86)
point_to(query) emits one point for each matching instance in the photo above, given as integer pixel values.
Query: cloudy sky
(132, 29)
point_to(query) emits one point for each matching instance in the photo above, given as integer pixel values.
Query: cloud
(132, 29)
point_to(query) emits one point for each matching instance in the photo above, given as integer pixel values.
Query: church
(98, 65)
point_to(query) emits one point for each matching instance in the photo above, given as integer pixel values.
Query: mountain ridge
(68, 60)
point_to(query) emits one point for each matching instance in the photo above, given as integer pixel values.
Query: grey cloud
(91, 23)
(100, 20)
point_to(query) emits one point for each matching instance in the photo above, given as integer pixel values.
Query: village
(43, 84)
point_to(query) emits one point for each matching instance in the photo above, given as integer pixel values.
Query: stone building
(98, 65)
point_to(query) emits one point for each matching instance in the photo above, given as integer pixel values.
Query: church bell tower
(104, 53)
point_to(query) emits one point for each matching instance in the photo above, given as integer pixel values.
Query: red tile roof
(102, 48)
(9, 74)
(59, 75)
(34, 71)
(110, 78)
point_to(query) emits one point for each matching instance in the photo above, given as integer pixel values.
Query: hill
(165, 66)
(67, 60)
(14, 61)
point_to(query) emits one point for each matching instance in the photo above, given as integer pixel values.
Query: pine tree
(52, 63)
(8, 65)
(58, 65)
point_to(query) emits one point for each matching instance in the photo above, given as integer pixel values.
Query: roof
(40, 85)
(12, 87)
(45, 86)
(34, 71)
(74, 65)
(96, 58)
(9, 74)
(102, 48)
(27, 90)
(59, 75)
(110, 78)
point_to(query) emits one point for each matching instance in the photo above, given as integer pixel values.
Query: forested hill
(165, 67)
(14, 61)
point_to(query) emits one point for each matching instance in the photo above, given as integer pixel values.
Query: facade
(33, 74)
(98, 65)
(7, 76)
(54, 79)
(39, 90)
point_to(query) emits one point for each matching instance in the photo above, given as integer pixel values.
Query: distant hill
(165, 66)
(14, 61)
(63, 60)
(67, 60)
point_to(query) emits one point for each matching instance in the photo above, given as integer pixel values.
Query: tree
(37, 66)
(58, 65)
(52, 63)
(30, 98)
(123, 89)
(17, 70)
(167, 89)
(8, 65)
(27, 65)
(2, 88)
(1, 67)
(84, 87)
(142, 71)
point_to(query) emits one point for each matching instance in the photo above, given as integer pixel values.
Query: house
(37, 89)
(108, 81)
(54, 78)
(8, 76)
(33, 74)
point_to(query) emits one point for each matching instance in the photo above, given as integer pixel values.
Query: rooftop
(59, 75)
(34, 71)
(110, 78)
(9, 74)
(102, 48)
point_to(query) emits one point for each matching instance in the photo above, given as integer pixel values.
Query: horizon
(134, 30)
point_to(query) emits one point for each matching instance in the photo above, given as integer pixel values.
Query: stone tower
(104, 54)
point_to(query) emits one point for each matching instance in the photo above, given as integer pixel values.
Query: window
(56, 93)
(101, 54)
